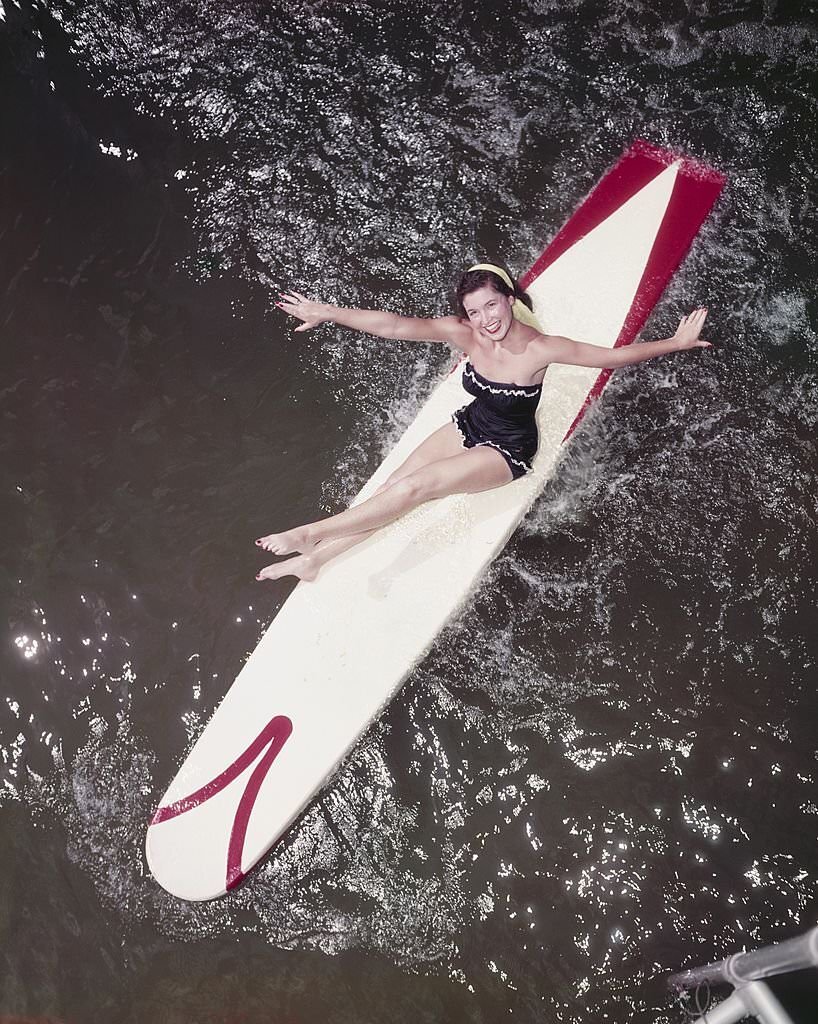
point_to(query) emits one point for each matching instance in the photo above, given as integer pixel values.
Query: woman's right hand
(298, 305)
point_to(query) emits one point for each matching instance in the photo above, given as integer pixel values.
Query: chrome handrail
(781, 958)
(744, 971)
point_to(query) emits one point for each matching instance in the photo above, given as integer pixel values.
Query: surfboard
(340, 647)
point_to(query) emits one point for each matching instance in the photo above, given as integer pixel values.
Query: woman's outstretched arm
(578, 353)
(447, 329)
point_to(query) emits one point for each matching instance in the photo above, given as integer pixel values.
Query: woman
(489, 442)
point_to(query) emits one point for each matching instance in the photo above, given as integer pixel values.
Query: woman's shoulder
(458, 332)
(538, 351)
(538, 342)
(542, 343)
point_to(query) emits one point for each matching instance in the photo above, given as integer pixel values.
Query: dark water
(605, 769)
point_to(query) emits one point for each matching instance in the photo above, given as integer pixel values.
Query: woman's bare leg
(477, 469)
(442, 443)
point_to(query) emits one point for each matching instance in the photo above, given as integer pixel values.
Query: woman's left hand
(298, 305)
(687, 333)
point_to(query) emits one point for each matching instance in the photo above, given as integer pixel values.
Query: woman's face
(489, 312)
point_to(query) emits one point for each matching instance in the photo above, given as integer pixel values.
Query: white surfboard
(340, 646)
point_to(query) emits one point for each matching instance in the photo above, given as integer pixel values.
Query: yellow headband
(494, 270)
(519, 309)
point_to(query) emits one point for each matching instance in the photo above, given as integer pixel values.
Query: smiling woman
(492, 440)
(499, 282)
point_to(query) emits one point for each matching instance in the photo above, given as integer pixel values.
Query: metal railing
(744, 971)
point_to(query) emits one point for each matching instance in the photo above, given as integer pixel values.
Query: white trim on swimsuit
(490, 444)
(525, 392)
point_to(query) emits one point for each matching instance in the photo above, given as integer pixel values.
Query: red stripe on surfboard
(639, 165)
(695, 191)
(273, 736)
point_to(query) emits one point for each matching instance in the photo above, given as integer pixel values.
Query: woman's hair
(471, 280)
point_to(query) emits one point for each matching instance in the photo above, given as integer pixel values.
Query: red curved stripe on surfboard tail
(248, 799)
(272, 737)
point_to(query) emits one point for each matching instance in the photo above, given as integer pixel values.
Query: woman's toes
(302, 567)
(287, 543)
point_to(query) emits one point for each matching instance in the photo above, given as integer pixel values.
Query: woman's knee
(390, 481)
(416, 487)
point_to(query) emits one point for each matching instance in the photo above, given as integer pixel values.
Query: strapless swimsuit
(501, 416)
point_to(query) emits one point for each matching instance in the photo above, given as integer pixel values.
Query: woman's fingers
(299, 305)
(690, 327)
(695, 320)
(294, 306)
(291, 308)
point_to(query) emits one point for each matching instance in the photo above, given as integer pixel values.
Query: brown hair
(471, 280)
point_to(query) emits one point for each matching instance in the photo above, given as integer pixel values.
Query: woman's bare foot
(305, 567)
(289, 542)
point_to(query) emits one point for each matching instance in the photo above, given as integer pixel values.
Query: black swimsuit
(501, 416)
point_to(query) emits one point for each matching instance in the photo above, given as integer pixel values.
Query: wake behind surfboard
(340, 646)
